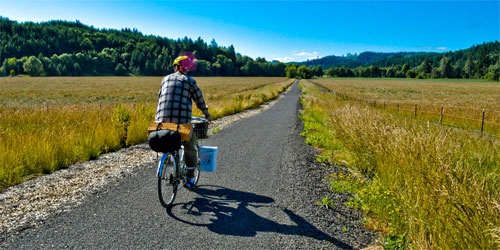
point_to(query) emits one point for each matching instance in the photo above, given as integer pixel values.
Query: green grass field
(51, 123)
(422, 185)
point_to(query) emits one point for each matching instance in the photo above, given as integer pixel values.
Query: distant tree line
(63, 48)
(477, 62)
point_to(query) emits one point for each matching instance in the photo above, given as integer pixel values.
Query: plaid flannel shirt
(177, 93)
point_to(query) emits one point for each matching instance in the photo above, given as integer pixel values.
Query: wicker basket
(200, 129)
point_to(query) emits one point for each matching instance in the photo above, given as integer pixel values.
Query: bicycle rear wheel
(168, 180)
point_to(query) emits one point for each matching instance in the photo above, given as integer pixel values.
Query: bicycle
(172, 170)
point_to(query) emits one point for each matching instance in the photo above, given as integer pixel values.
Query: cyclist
(177, 93)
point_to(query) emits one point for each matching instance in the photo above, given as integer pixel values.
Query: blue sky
(294, 30)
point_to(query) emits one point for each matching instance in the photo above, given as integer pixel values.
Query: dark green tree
(34, 67)
(317, 71)
(291, 71)
(304, 72)
(424, 68)
(446, 70)
(120, 70)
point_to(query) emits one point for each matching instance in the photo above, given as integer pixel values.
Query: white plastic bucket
(208, 158)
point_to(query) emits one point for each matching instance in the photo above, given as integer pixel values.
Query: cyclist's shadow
(232, 212)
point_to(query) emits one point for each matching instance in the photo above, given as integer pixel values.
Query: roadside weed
(326, 202)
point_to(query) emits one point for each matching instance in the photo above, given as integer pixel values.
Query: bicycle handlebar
(199, 118)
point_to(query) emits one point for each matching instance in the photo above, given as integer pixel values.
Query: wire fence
(483, 120)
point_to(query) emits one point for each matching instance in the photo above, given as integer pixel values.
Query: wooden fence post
(442, 114)
(416, 107)
(482, 124)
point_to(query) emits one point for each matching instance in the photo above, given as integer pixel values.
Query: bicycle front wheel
(196, 174)
(197, 170)
(168, 180)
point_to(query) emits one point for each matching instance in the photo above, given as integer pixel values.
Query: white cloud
(298, 57)
(302, 54)
(307, 55)
(284, 59)
(432, 48)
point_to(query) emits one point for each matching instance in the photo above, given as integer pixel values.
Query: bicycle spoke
(167, 183)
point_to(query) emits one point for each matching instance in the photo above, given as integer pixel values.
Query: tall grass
(458, 103)
(229, 95)
(40, 141)
(421, 185)
(50, 123)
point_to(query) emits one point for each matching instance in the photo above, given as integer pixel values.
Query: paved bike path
(243, 205)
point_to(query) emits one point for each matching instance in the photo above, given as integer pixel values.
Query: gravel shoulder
(27, 206)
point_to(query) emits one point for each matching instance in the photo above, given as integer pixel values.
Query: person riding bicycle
(177, 93)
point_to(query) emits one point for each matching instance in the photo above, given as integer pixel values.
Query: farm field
(50, 123)
(422, 185)
(472, 105)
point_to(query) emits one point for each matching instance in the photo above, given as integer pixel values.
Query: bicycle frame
(177, 175)
(176, 158)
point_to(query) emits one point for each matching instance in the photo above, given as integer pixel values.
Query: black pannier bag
(164, 141)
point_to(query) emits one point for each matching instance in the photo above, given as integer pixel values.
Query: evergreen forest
(477, 62)
(70, 48)
(64, 48)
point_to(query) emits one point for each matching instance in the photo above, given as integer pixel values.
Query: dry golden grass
(422, 185)
(50, 123)
(477, 94)
(230, 95)
(461, 102)
(21, 92)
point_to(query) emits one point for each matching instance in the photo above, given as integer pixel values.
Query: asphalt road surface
(254, 200)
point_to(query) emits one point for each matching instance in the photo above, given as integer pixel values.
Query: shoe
(190, 185)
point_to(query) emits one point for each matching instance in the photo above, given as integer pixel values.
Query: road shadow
(231, 212)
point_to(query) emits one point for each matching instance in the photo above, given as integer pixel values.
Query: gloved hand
(207, 116)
